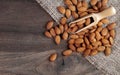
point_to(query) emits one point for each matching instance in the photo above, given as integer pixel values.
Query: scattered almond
(68, 13)
(61, 9)
(107, 51)
(65, 36)
(80, 49)
(112, 33)
(86, 52)
(82, 9)
(74, 36)
(47, 34)
(72, 7)
(93, 2)
(111, 26)
(57, 30)
(49, 25)
(53, 57)
(57, 39)
(74, 2)
(104, 31)
(52, 32)
(93, 52)
(63, 20)
(72, 47)
(101, 48)
(67, 52)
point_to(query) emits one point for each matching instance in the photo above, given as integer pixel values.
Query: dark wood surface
(24, 50)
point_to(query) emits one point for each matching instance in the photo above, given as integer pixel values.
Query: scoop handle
(107, 12)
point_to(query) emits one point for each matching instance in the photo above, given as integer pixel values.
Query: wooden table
(24, 50)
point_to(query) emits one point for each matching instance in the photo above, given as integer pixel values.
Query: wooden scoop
(96, 17)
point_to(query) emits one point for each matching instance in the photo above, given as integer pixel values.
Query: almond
(65, 27)
(81, 22)
(67, 52)
(72, 47)
(98, 36)
(75, 15)
(107, 51)
(71, 41)
(99, 4)
(49, 25)
(107, 36)
(82, 9)
(105, 41)
(74, 29)
(53, 57)
(99, 29)
(84, 4)
(74, 2)
(72, 7)
(111, 26)
(93, 52)
(65, 36)
(74, 36)
(86, 41)
(92, 36)
(88, 21)
(57, 30)
(47, 34)
(67, 2)
(89, 46)
(104, 2)
(104, 31)
(93, 2)
(79, 4)
(52, 32)
(105, 21)
(86, 52)
(77, 45)
(57, 39)
(112, 33)
(100, 24)
(79, 41)
(63, 20)
(68, 13)
(61, 9)
(111, 40)
(72, 25)
(83, 14)
(101, 48)
(80, 49)
(92, 11)
(95, 7)
(61, 27)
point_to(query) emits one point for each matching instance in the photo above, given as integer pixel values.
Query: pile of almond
(89, 42)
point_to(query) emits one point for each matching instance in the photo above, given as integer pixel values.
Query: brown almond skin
(49, 25)
(65, 36)
(53, 57)
(72, 47)
(93, 52)
(61, 9)
(67, 52)
(86, 52)
(85, 3)
(80, 49)
(99, 4)
(92, 36)
(68, 13)
(98, 36)
(74, 2)
(88, 21)
(80, 22)
(74, 36)
(105, 41)
(83, 14)
(107, 51)
(63, 20)
(65, 27)
(82, 9)
(67, 2)
(112, 33)
(71, 41)
(100, 24)
(47, 34)
(61, 27)
(104, 32)
(79, 41)
(57, 39)
(75, 15)
(79, 4)
(72, 7)
(111, 40)
(101, 48)
(93, 2)
(111, 26)
(74, 29)
(95, 7)
(57, 30)
(105, 21)
(104, 2)
(72, 25)
(52, 32)
(86, 41)
(99, 29)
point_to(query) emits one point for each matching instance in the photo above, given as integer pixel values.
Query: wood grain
(24, 50)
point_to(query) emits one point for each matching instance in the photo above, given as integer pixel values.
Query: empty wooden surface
(24, 50)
